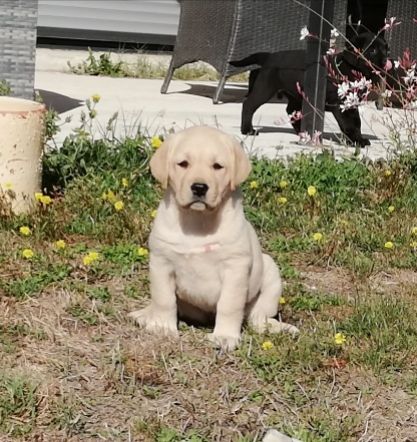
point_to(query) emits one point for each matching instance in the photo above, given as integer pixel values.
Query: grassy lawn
(73, 367)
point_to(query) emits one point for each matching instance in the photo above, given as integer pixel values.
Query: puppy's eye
(183, 164)
(217, 166)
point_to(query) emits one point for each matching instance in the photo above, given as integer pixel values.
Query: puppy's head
(367, 52)
(202, 165)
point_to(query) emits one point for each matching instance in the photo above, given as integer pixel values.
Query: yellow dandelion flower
(25, 231)
(413, 244)
(38, 196)
(94, 255)
(387, 173)
(283, 184)
(253, 184)
(60, 244)
(391, 209)
(142, 251)
(154, 213)
(90, 258)
(282, 300)
(45, 200)
(389, 245)
(317, 236)
(28, 253)
(311, 190)
(156, 142)
(87, 260)
(96, 98)
(282, 200)
(339, 339)
(111, 196)
(414, 230)
(8, 185)
(267, 345)
(119, 205)
(125, 182)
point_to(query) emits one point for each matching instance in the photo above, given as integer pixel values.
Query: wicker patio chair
(405, 35)
(218, 31)
(18, 20)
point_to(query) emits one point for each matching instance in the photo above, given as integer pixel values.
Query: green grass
(18, 404)
(95, 375)
(5, 88)
(104, 65)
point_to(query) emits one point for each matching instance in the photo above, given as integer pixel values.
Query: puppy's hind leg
(261, 313)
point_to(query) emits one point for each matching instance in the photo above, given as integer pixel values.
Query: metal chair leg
(168, 77)
(219, 89)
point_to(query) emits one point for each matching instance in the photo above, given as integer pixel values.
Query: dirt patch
(332, 281)
(395, 281)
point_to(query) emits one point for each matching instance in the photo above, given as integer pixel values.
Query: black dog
(280, 72)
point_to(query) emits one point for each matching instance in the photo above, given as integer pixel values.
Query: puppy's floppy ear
(159, 163)
(241, 165)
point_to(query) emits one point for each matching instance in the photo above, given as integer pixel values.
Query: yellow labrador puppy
(205, 259)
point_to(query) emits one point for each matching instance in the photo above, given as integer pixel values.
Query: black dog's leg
(252, 78)
(350, 124)
(263, 89)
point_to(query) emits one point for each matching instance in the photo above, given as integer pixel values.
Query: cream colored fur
(205, 256)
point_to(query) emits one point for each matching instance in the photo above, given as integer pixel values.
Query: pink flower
(304, 137)
(343, 89)
(316, 138)
(390, 23)
(334, 33)
(304, 33)
(353, 93)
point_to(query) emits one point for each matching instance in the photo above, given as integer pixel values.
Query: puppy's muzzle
(199, 189)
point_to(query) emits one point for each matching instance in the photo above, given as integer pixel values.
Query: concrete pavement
(139, 104)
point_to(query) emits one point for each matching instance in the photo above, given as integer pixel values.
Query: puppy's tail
(258, 58)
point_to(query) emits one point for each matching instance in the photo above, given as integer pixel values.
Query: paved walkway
(140, 104)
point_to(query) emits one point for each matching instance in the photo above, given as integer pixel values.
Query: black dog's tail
(259, 58)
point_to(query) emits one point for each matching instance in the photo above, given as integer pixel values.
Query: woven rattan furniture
(218, 31)
(404, 35)
(371, 14)
(18, 19)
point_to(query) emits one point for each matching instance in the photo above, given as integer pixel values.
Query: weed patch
(18, 404)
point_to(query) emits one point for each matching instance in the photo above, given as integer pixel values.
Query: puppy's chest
(198, 274)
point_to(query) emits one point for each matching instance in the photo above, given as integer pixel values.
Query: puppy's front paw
(226, 343)
(153, 322)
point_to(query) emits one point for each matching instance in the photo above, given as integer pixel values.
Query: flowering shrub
(396, 84)
(353, 93)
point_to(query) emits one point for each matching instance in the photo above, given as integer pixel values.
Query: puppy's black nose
(199, 189)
